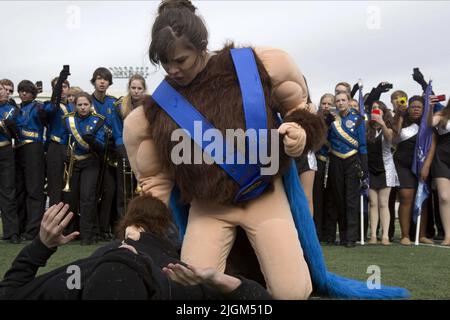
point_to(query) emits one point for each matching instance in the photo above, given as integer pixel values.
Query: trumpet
(68, 167)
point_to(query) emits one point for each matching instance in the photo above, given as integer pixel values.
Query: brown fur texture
(314, 126)
(216, 94)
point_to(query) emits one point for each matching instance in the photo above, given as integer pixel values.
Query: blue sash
(247, 175)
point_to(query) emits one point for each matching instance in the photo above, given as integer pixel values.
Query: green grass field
(424, 270)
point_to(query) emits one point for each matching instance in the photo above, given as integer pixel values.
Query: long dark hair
(148, 213)
(445, 114)
(387, 118)
(176, 20)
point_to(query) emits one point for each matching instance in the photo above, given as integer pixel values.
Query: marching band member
(30, 159)
(56, 148)
(8, 205)
(86, 131)
(348, 165)
(103, 104)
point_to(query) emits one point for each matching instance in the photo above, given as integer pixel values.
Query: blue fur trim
(324, 281)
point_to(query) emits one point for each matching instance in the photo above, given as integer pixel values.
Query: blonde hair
(326, 95)
(74, 91)
(127, 106)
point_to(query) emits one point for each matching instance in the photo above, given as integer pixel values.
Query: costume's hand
(294, 139)
(53, 224)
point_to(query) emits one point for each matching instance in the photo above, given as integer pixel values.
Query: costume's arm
(291, 92)
(143, 157)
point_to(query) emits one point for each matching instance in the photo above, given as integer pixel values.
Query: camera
(441, 97)
(402, 101)
(39, 86)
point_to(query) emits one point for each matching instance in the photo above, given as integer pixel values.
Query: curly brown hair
(146, 212)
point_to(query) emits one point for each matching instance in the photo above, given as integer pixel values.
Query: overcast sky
(331, 41)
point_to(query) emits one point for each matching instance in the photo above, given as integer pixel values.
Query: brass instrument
(129, 191)
(68, 167)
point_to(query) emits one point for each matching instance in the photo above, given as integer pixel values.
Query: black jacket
(20, 281)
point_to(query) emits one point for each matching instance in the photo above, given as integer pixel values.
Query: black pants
(55, 170)
(345, 186)
(392, 198)
(323, 205)
(82, 196)
(30, 176)
(107, 206)
(8, 204)
(120, 191)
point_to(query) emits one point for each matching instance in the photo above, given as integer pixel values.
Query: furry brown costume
(223, 108)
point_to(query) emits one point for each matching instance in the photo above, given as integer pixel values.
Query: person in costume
(273, 210)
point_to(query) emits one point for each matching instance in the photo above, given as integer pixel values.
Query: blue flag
(361, 103)
(423, 144)
(364, 190)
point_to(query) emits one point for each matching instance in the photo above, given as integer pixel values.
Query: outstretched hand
(190, 275)
(53, 224)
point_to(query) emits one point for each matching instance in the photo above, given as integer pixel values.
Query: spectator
(342, 87)
(382, 174)
(322, 195)
(407, 126)
(72, 93)
(441, 166)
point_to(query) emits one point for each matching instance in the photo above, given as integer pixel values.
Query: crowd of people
(373, 149)
(69, 149)
(37, 137)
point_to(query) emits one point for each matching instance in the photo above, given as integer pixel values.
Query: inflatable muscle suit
(276, 220)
